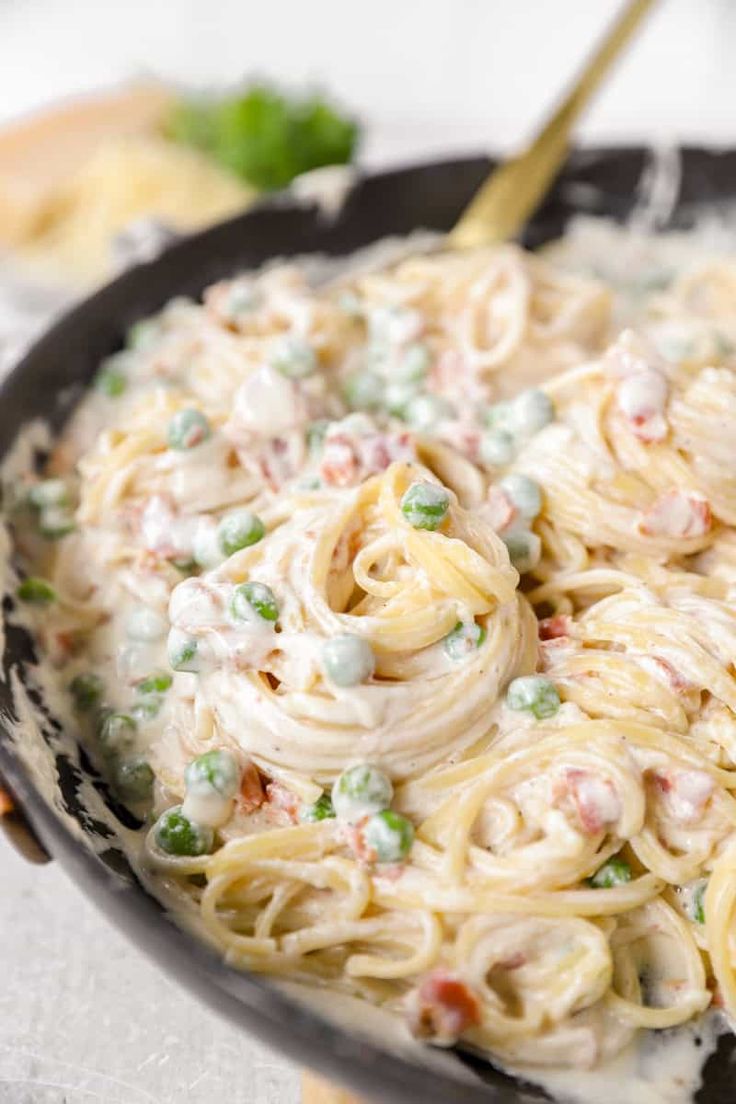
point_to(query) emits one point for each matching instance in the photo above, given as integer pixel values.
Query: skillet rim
(246, 999)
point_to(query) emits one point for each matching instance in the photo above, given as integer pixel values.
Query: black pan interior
(49, 381)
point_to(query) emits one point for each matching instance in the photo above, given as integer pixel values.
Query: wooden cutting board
(317, 1091)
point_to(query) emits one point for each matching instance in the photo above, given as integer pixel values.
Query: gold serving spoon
(514, 190)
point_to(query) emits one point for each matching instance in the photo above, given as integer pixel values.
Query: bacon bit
(716, 999)
(442, 1008)
(6, 803)
(339, 463)
(65, 641)
(676, 514)
(596, 801)
(661, 781)
(154, 524)
(283, 801)
(275, 463)
(59, 645)
(348, 460)
(251, 795)
(554, 628)
(500, 510)
(642, 397)
(687, 792)
(356, 842)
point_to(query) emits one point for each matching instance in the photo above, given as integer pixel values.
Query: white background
(84, 1017)
(427, 75)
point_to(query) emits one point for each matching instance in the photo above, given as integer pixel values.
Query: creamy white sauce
(656, 1068)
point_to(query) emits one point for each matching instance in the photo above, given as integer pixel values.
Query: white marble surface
(86, 1018)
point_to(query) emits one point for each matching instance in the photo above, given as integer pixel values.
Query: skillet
(60, 799)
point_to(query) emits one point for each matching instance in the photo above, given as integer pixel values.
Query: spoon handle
(501, 207)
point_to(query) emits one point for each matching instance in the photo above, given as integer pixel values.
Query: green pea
(425, 505)
(524, 548)
(723, 345)
(316, 433)
(87, 690)
(425, 411)
(49, 492)
(117, 732)
(178, 835)
(321, 810)
(187, 429)
(294, 358)
(133, 778)
(349, 303)
(206, 549)
(463, 640)
(656, 279)
(110, 379)
(183, 652)
(158, 682)
(142, 334)
(532, 411)
(535, 694)
(36, 590)
(348, 659)
(615, 872)
(254, 598)
(242, 300)
(695, 900)
(414, 364)
(308, 483)
(393, 324)
(389, 836)
(500, 416)
(215, 772)
(364, 391)
(55, 522)
(361, 791)
(147, 708)
(145, 624)
(497, 448)
(185, 566)
(397, 398)
(524, 493)
(239, 529)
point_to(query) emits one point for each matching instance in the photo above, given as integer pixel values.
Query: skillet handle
(317, 1091)
(17, 830)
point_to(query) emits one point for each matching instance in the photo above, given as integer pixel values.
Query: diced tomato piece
(687, 792)
(678, 515)
(499, 510)
(339, 464)
(596, 802)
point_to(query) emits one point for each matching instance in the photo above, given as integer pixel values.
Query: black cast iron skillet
(50, 380)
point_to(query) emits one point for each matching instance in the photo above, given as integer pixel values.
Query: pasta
(400, 609)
